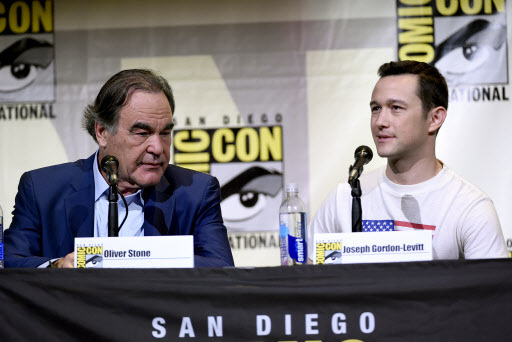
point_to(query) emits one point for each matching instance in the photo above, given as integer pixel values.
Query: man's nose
(155, 145)
(382, 119)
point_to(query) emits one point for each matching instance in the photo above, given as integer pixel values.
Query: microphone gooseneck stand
(110, 165)
(357, 210)
(363, 156)
(113, 230)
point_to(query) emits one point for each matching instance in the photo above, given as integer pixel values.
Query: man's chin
(383, 153)
(149, 179)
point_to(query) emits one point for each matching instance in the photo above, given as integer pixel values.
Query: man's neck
(127, 191)
(406, 172)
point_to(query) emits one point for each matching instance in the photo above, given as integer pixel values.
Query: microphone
(363, 155)
(110, 165)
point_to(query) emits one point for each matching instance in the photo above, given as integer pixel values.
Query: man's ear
(437, 116)
(101, 134)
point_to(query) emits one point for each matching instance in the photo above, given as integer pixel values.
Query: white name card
(135, 252)
(370, 247)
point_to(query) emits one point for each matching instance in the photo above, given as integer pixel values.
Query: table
(459, 300)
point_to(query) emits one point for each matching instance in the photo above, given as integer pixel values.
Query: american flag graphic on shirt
(378, 225)
(391, 225)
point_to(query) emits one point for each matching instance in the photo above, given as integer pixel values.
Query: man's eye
(165, 133)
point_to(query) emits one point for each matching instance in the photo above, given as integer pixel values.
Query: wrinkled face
(142, 142)
(398, 124)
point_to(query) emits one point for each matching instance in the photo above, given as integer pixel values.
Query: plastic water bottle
(292, 228)
(1, 238)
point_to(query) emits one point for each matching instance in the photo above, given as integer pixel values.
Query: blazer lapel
(80, 204)
(159, 210)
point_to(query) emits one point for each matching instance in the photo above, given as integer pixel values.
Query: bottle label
(292, 233)
(297, 249)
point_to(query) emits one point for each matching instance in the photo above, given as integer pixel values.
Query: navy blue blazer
(55, 204)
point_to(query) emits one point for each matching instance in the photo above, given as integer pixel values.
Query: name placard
(371, 247)
(135, 252)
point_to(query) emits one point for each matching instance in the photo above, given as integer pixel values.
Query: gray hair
(116, 93)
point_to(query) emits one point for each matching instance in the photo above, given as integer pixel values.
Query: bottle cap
(292, 187)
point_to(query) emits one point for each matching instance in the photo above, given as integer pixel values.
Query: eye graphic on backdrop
(475, 47)
(245, 195)
(22, 61)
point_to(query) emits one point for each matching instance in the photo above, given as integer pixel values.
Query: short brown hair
(432, 87)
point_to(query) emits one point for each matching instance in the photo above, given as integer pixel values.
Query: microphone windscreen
(364, 151)
(109, 161)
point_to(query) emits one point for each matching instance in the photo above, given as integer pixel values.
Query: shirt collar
(100, 184)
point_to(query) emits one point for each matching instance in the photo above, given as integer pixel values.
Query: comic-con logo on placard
(466, 40)
(26, 52)
(328, 253)
(89, 256)
(248, 161)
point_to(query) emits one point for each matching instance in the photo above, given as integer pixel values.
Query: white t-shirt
(462, 218)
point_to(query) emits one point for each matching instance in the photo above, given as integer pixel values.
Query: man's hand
(67, 262)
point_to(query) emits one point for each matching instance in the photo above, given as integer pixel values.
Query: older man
(131, 119)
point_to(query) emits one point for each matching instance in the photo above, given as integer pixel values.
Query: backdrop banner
(267, 93)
